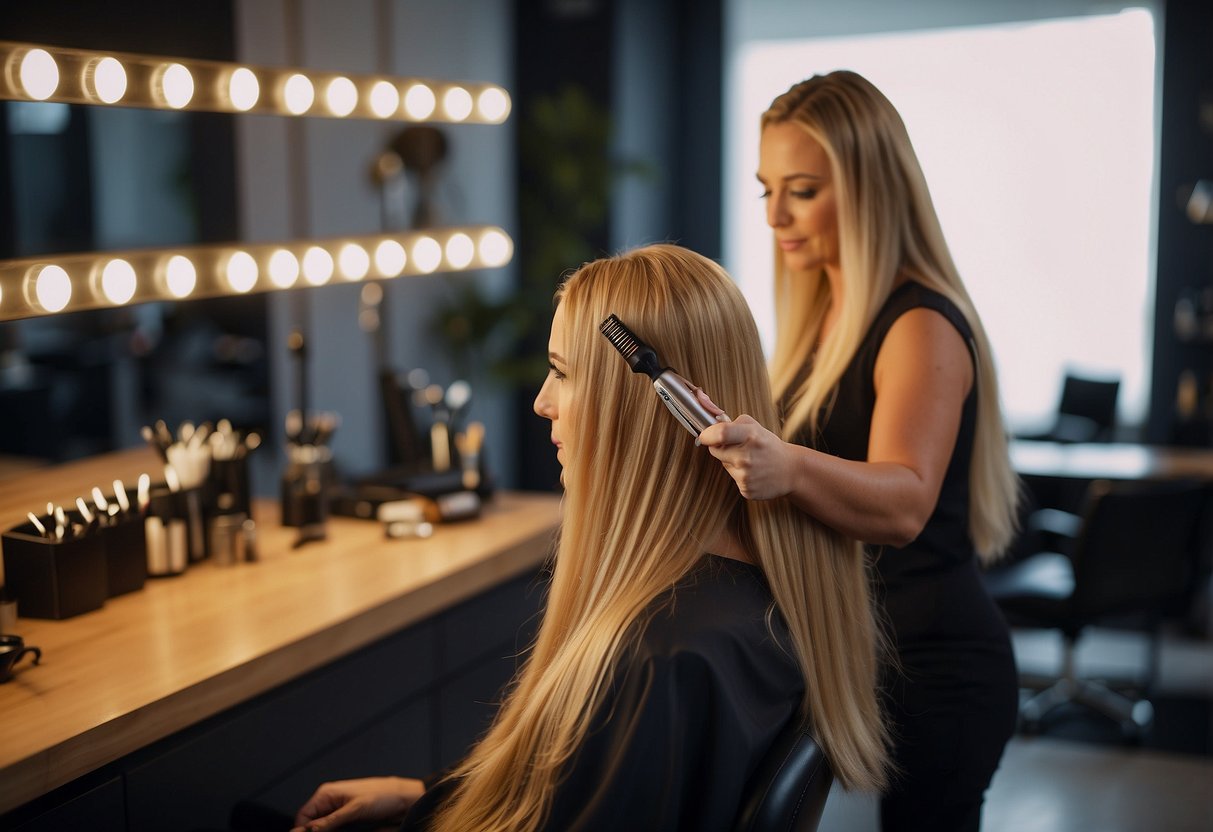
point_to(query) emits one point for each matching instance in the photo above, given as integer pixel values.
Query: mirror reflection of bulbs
(52, 287)
(298, 94)
(176, 85)
(457, 103)
(118, 281)
(427, 254)
(180, 276)
(419, 101)
(353, 261)
(389, 258)
(385, 98)
(460, 250)
(39, 74)
(341, 95)
(241, 271)
(243, 89)
(317, 266)
(284, 269)
(493, 104)
(495, 248)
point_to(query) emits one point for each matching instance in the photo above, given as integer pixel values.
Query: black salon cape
(689, 715)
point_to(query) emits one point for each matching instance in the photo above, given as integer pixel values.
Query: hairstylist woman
(684, 627)
(892, 431)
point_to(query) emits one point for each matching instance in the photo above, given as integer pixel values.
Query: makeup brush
(469, 443)
(440, 443)
(124, 502)
(33, 518)
(458, 400)
(143, 493)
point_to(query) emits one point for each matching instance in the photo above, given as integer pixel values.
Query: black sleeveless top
(847, 422)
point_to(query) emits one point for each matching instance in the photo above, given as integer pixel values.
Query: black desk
(1110, 461)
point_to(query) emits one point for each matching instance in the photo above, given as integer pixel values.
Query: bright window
(1038, 143)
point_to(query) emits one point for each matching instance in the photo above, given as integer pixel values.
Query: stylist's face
(555, 395)
(799, 191)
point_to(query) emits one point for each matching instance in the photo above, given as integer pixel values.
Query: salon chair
(788, 791)
(1133, 563)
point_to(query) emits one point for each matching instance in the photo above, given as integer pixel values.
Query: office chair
(1135, 558)
(1086, 412)
(788, 791)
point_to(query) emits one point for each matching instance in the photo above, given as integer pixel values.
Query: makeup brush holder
(228, 487)
(124, 540)
(54, 578)
(307, 486)
(166, 533)
(195, 523)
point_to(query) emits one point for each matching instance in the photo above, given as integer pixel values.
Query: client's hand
(372, 799)
(755, 458)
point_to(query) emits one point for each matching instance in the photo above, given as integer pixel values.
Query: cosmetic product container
(54, 578)
(8, 612)
(124, 539)
(166, 533)
(306, 486)
(227, 539)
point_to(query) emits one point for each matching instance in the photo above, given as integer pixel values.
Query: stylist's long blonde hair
(886, 225)
(641, 503)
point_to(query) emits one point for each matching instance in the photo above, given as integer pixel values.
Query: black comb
(639, 355)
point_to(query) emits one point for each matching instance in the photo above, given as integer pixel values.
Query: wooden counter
(183, 649)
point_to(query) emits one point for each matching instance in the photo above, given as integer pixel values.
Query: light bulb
(118, 281)
(284, 269)
(176, 85)
(353, 261)
(419, 102)
(341, 95)
(459, 250)
(107, 79)
(427, 254)
(495, 248)
(317, 266)
(389, 258)
(385, 98)
(241, 271)
(494, 104)
(457, 103)
(39, 74)
(180, 276)
(52, 287)
(243, 89)
(298, 94)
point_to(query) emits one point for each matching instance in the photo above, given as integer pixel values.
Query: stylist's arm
(922, 376)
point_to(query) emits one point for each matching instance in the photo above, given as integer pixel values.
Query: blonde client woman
(685, 626)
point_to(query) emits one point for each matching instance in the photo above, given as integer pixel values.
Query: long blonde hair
(641, 503)
(886, 225)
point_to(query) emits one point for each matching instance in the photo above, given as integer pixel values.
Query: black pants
(952, 702)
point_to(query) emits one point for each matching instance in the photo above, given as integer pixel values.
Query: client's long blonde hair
(641, 503)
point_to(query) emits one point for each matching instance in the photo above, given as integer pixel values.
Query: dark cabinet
(409, 704)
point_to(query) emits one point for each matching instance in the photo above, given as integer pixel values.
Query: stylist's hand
(383, 800)
(755, 458)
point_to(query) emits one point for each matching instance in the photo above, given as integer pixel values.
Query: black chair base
(1134, 716)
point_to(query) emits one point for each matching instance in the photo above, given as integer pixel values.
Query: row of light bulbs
(50, 73)
(72, 282)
